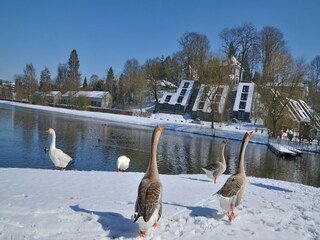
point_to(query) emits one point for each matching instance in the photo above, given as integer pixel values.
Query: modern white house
(177, 102)
(204, 102)
(243, 103)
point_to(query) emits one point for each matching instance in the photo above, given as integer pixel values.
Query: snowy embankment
(48, 204)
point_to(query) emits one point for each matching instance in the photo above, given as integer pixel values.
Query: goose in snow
(231, 193)
(213, 171)
(57, 156)
(122, 163)
(148, 207)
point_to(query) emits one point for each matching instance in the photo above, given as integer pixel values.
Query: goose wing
(149, 196)
(232, 186)
(61, 156)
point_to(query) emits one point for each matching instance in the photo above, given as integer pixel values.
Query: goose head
(50, 131)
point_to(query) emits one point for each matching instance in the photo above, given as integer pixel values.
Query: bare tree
(128, 80)
(45, 80)
(315, 72)
(284, 78)
(271, 43)
(194, 52)
(314, 88)
(215, 75)
(62, 74)
(241, 40)
(154, 71)
(30, 82)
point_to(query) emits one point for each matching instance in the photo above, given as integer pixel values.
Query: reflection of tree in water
(182, 153)
(25, 121)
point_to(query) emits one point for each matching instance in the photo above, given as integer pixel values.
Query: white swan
(57, 156)
(122, 163)
(148, 207)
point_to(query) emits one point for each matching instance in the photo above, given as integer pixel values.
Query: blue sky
(106, 33)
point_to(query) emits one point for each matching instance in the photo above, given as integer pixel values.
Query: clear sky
(106, 33)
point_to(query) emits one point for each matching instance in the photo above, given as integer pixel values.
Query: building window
(241, 115)
(201, 105)
(180, 99)
(183, 92)
(245, 89)
(186, 85)
(220, 90)
(242, 105)
(244, 96)
(167, 98)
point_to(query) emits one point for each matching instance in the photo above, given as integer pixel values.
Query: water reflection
(95, 145)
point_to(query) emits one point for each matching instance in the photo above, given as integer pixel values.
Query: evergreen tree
(74, 77)
(110, 85)
(85, 84)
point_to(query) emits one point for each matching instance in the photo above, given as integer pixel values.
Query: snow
(52, 204)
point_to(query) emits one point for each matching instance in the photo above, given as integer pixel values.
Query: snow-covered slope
(48, 204)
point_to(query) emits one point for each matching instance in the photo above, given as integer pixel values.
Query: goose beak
(250, 133)
(48, 130)
(225, 141)
(161, 128)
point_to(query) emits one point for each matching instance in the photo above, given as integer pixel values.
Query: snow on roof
(165, 83)
(181, 96)
(89, 94)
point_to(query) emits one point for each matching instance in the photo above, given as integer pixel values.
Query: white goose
(231, 193)
(148, 207)
(213, 171)
(122, 163)
(57, 156)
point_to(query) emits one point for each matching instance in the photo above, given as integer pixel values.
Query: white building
(95, 98)
(202, 106)
(178, 101)
(244, 101)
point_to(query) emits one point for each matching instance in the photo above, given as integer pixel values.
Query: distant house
(235, 68)
(95, 98)
(243, 103)
(177, 102)
(202, 106)
(53, 97)
(299, 111)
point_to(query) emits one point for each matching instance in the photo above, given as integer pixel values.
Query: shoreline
(227, 131)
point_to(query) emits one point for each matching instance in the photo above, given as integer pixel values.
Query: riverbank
(49, 204)
(169, 121)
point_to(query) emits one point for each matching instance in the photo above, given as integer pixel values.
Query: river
(96, 144)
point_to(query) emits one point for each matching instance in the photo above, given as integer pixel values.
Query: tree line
(264, 55)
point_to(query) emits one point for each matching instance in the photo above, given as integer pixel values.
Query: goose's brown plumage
(148, 207)
(231, 193)
(213, 171)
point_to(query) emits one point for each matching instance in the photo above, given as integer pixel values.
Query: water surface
(96, 144)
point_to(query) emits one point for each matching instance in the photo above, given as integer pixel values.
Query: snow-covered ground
(48, 204)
